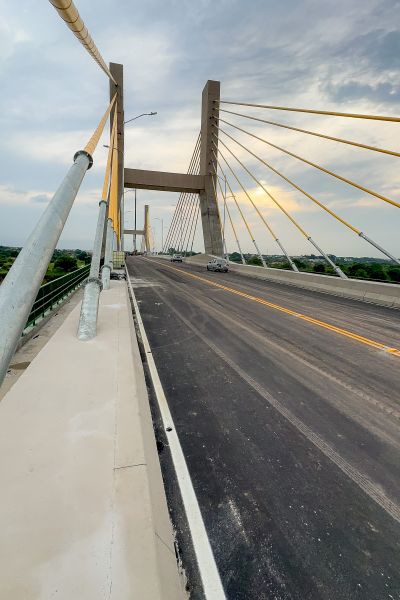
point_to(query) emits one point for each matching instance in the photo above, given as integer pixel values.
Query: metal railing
(52, 293)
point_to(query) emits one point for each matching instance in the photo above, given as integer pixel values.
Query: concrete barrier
(385, 294)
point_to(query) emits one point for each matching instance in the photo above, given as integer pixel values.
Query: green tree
(319, 268)
(66, 263)
(255, 260)
(394, 273)
(376, 271)
(300, 264)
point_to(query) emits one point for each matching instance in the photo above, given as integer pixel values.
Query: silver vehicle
(176, 258)
(218, 264)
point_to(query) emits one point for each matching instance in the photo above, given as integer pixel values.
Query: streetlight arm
(150, 114)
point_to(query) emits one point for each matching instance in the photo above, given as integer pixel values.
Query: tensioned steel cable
(313, 199)
(231, 220)
(315, 165)
(240, 210)
(189, 221)
(94, 140)
(314, 133)
(186, 210)
(273, 234)
(222, 227)
(195, 228)
(105, 191)
(194, 219)
(182, 195)
(68, 12)
(292, 219)
(183, 210)
(315, 112)
(113, 209)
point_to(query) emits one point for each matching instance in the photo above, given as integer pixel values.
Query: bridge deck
(290, 430)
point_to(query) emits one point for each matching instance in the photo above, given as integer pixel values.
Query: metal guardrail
(52, 293)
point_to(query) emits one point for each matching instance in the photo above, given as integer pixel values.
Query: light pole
(134, 235)
(150, 114)
(162, 230)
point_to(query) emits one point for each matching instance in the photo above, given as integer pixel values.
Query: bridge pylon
(212, 231)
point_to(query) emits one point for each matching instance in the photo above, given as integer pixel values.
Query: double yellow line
(339, 330)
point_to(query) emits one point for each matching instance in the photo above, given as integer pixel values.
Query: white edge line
(210, 577)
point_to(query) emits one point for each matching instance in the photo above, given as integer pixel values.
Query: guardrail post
(21, 284)
(87, 327)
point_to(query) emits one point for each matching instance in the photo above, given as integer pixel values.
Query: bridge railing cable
(22, 282)
(311, 197)
(70, 15)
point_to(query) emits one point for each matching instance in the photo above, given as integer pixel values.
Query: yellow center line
(288, 311)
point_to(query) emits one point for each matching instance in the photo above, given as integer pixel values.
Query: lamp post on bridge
(149, 114)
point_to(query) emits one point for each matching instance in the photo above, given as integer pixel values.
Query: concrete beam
(162, 181)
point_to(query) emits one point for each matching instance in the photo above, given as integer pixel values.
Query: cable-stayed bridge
(187, 433)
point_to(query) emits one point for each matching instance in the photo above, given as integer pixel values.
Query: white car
(218, 264)
(176, 258)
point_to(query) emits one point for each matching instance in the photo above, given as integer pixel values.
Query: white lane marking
(210, 577)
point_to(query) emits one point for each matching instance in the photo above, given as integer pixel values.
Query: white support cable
(309, 196)
(182, 197)
(240, 211)
(307, 236)
(231, 221)
(274, 236)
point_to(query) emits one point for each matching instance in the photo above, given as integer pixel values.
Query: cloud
(340, 55)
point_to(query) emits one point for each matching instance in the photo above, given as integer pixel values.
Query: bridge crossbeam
(163, 181)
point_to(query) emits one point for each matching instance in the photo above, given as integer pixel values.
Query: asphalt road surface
(287, 406)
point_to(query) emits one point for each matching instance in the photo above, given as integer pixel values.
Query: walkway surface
(82, 506)
(289, 425)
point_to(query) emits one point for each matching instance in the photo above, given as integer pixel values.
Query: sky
(341, 55)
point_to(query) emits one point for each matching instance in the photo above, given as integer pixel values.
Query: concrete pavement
(82, 504)
(290, 429)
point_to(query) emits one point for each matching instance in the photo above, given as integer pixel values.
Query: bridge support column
(208, 202)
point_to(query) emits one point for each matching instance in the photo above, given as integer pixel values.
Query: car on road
(176, 258)
(218, 264)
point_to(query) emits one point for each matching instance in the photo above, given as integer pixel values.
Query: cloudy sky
(341, 55)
